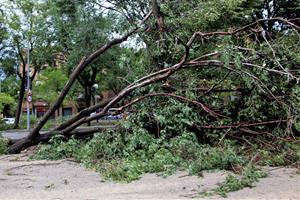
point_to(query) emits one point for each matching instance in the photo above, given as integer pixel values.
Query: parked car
(9, 120)
(110, 115)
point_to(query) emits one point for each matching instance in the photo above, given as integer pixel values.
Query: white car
(9, 120)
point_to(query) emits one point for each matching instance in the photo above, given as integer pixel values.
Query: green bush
(23, 121)
(5, 99)
(3, 145)
(4, 126)
(58, 148)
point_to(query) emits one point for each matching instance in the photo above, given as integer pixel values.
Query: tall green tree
(87, 28)
(27, 25)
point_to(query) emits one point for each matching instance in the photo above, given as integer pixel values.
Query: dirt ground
(21, 178)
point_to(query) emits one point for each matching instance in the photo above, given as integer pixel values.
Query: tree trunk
(78, 133)
(160, 37)
(85, 61)
(158, 15)
(19, 104)
(88, 98)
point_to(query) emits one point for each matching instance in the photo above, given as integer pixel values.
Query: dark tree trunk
(158, 15)
(78, 133)
(160, 36)
(88, 98)
(19, 104)
(6, 111)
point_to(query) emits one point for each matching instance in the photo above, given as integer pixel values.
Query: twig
(215, 85)
(224, 136)
(246, 130)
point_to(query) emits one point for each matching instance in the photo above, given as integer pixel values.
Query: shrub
(58, 148)
(3, 145)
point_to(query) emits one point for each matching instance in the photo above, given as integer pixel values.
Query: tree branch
(85, 61)
(242, 124)
(180, 98)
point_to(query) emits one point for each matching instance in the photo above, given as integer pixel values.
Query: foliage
(58, 149)
(5, 99)
(289, 154)
(78, 40)
(126, 159)
(4, 126)
(129, 152)
(3, 145)
(132, 151)
(23, 121)
(49, 84)
(216, 158)
(10, 87)
(249, 176)
(25, 27)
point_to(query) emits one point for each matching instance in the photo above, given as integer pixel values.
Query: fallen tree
(69, 128)
(85, 61)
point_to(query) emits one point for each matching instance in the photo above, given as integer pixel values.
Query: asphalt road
(15, 134)
(21, 133)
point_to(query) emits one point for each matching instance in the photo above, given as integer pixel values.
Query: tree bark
(160, 37)
(22, 87)
(88, 98)
(158, 15)
(19, 104)
(79, 133)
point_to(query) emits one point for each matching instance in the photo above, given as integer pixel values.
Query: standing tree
(82, 39)
(27, 29)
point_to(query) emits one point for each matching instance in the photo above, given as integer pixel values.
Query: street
(16, 134)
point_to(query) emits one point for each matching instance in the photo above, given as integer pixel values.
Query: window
(67, 112)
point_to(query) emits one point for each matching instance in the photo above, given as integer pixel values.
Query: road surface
(22, 178)
(21, 133)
